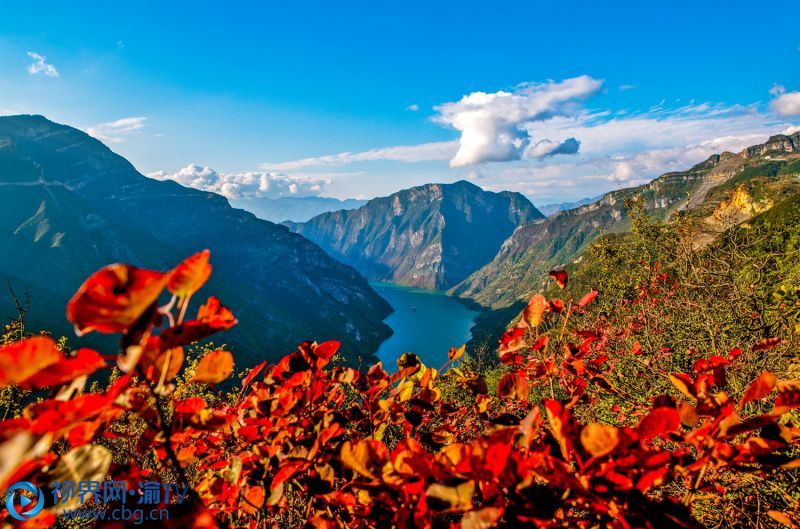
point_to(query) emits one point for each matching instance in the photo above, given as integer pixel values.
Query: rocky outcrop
(778, 144)
(431, 236)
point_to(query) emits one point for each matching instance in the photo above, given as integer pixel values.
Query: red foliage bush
(302, 443)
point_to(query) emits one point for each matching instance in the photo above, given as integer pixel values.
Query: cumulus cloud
(115, 131)
(442, 150)
(244, 185)
(492, 125)
(413, 108)
(786, 104)
(40, 65)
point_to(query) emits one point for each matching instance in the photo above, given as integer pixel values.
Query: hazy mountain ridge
(293, 209)
(70, 205)
(534, 248)
(430, 236)
(551, 209)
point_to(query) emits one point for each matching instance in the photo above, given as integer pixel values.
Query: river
(425, 323)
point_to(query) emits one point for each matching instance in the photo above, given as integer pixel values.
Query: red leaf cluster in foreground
(303, 443)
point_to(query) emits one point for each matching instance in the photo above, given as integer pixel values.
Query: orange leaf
(157, 357)
(588, 298)
(533, 313)
(365, 457)
(190, 275)
(599, 439)
(214, 367)
(113, 298)
(21, 360)
(84, 362)
(456, 353)
(253, 500)
(759, 388)
(683, 383)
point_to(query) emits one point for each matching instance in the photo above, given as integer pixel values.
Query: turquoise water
(425, 323)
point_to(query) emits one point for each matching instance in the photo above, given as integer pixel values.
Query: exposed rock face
(524, 259)
(779, 143)
(431, 236)
(69, 205)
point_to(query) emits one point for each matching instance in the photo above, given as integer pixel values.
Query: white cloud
(113, 131)
(786, 104)
(626, 87)
(528, 126)
(442, 150)
(493, 125)
(245, 185)
(40, 65)
(632, 149)
(413, 108)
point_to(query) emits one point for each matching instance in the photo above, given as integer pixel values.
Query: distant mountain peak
(430, 236)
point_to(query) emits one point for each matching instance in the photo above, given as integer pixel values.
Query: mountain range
(552, 209)
(69, 205)
(431, 236)
(725, 186)
(293, 209)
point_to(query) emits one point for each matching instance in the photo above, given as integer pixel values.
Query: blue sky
(556, 100)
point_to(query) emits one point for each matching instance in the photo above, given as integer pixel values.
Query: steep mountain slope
(293, 209)
(525, 258)
(69, 205)
(430, 236)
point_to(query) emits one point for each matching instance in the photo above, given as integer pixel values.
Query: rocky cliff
(431, 236)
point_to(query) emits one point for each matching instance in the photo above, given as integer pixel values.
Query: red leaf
(560, 277)
(658, 422)
(190, 275)
(114, 298)
(588, 298)
(252, 374)
(513, 386)
(326, 350)
(23, 359)
(84, 362)
(211, 318)
(557, 306)
(759, 388)
(512, 340)
(767, 343)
